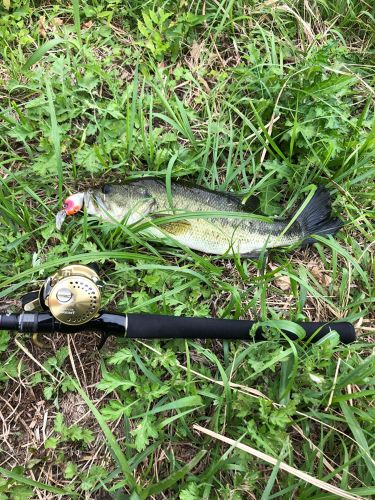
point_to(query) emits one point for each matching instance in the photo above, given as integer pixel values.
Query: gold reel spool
(73, 294)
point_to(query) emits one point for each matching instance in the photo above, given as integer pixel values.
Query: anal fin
(253, 255)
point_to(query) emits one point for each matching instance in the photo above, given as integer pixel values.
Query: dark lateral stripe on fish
(146, 200)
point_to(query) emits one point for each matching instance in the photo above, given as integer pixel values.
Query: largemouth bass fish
(196, 222)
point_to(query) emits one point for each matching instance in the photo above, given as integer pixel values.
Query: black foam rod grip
(154, 326)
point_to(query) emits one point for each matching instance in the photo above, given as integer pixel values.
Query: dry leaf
(282, 282)
(42, 27)
(195, 53)
(320, 274)
(57, 21)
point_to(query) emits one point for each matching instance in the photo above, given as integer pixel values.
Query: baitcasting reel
(72, 295)
(69, 301)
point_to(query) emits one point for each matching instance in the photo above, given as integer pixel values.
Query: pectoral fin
(176, 228)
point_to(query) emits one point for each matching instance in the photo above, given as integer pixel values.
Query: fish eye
(143, 192)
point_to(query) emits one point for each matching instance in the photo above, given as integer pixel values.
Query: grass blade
(173, 478)
(77, 20)
(359, 437)
(271, 481)
(55, 133)
(35, 484)
(41, 51)
(112, 443)
(283, 466)
(174, 405)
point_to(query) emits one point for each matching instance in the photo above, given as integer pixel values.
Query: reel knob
(74, 295)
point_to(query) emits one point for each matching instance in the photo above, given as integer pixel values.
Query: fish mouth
(94, 203)
(87, 198)
(60, 217)
(98, 201)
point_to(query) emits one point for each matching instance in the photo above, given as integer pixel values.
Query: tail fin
(316, 217)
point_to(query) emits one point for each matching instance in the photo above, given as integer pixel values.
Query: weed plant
(257, 98)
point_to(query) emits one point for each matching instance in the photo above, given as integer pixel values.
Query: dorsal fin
(251, 204)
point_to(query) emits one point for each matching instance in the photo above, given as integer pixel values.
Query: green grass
(254, 98)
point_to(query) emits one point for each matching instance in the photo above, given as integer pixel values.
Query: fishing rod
(69, 301)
